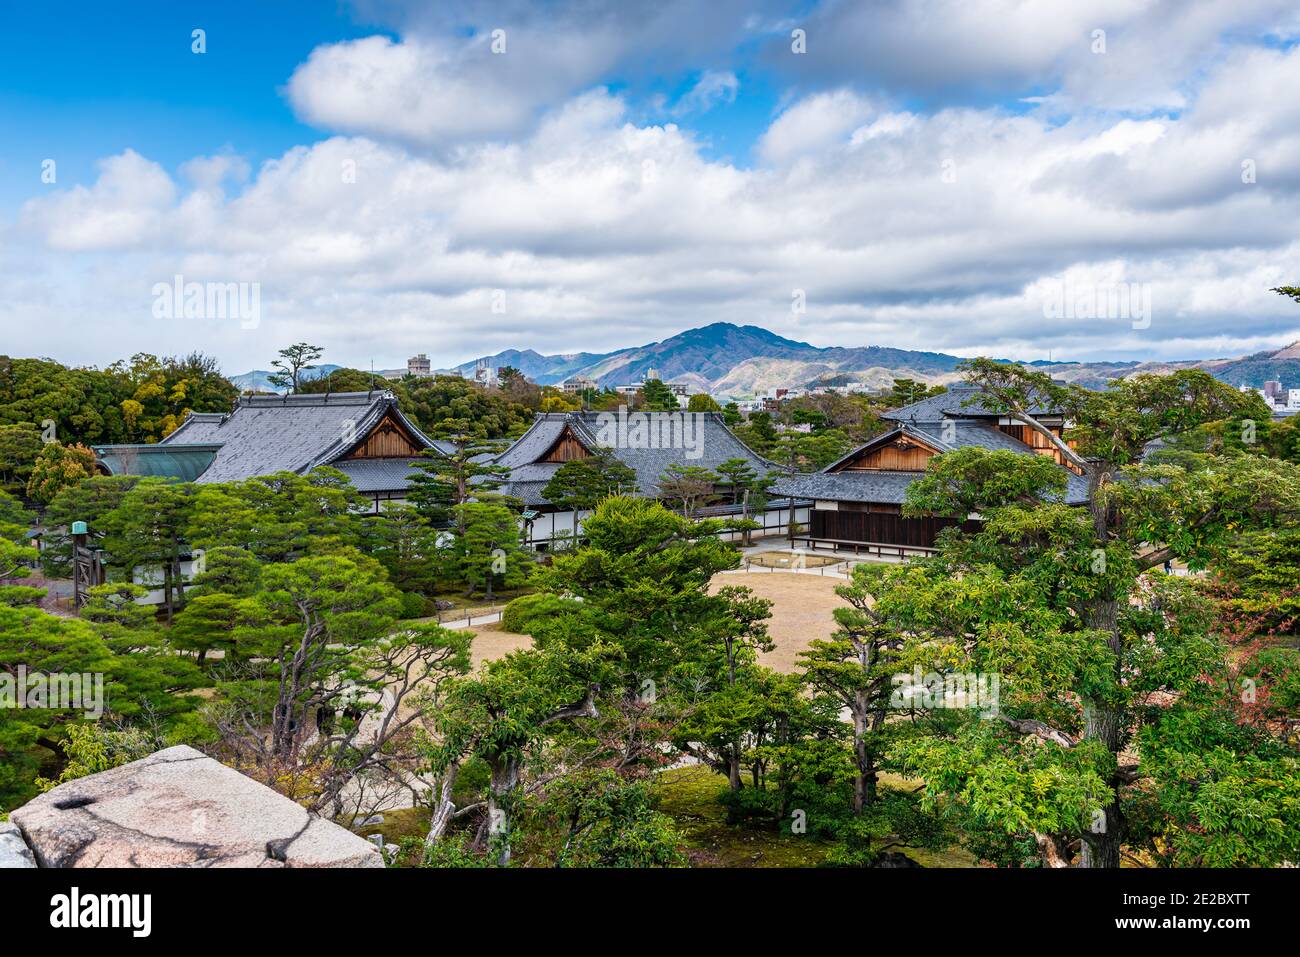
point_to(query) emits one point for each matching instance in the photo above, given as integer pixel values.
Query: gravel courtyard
(801, 612)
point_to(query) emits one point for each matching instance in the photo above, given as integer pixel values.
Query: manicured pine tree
(488, 552)
(448, 479)
(581, 484)
(145, 535)
(690, 486)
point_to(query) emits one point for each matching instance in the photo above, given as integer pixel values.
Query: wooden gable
(566, 448)
(389, 439)
(1039, 442)
(894, 452)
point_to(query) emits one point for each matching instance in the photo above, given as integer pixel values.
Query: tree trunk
(864, 782)
(501, 789)
(167, 591)
(1107, 724)
(443, 806)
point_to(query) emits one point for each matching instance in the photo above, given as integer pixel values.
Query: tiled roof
(960, 433)
(890, 488)
(960, 400)
(715, 443)
(378, 475)
(296, 433)
(887, 488)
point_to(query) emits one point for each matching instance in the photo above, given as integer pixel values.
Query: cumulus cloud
(473, 71)
(1068, 55)
(813, 125)
(124, 208)
(440, 93)
(941, 229)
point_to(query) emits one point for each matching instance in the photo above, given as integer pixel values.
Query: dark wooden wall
(880, 528)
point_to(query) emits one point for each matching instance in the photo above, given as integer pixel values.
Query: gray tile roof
(886, 488)
(890, 488)
(266, 434)
(707, 432)
(961, 400)
(378, 475)
(959, 433)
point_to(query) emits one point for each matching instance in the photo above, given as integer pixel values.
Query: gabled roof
(890, 487)
(905, 429)
(962, 400)
(267, 433)
(545, 431)
(962, 433)
(293, 433)
(716, 443)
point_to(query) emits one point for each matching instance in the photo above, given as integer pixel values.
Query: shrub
(521, 615)
(414, 605)
(91, 748)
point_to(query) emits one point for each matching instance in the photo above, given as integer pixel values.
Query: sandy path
(491, 643)
(801, 612)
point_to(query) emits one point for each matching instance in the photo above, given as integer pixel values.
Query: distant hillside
(544, 370)
(259, 380)
(743, 361)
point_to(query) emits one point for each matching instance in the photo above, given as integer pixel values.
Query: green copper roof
(184, 462)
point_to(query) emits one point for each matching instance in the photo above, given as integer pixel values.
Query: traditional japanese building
(362, 434)
(857, 501)
(647, 442)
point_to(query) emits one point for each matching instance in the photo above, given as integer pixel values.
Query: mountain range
(732, 361)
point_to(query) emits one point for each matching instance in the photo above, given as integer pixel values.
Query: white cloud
(211, 172)
(418, 91)
(814, 124)
(714, 87)
(605, 232)
(124, 208)
(1045, 52)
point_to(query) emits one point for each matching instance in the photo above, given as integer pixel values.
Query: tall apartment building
(419, 366)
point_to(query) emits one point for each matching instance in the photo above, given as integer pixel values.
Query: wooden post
(80, 562)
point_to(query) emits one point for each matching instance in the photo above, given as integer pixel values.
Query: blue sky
(100, 82)
(928, 174)
(86, 80)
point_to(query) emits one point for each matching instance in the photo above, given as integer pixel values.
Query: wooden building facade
(857, 501)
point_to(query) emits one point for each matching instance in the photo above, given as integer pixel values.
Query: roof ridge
(317, 398)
